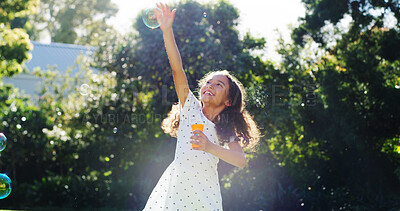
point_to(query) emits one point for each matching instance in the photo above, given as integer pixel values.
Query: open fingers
(159, 6)
(157, 12)
(163, 8)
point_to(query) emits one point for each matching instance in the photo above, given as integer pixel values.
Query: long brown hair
(234, 120)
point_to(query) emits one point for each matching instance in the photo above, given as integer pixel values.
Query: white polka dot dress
(191, 181)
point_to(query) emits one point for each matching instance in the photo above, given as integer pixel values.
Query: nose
(209, 86)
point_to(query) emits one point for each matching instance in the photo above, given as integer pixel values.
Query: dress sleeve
(191, 103)
(232, 138)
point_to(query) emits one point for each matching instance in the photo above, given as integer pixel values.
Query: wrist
(167, 30)
(212, 148)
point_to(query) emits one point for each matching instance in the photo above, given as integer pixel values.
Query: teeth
(207, 92)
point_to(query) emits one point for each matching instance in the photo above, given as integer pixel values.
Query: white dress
(191, 181)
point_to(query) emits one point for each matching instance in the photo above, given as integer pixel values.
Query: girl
(191, 181)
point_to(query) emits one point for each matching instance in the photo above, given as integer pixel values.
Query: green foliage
(336, 149)
(365, 14)
(14, 43)
(71, 21)
(354, 122)
(78, 160)
(18, 8)
(14, 48)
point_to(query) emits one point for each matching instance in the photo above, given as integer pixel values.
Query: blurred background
(85, 85)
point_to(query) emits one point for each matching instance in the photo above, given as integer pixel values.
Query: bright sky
(260, 17)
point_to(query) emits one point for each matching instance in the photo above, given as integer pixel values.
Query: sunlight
(260, 18)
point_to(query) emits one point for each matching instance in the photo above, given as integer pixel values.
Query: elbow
(243, 162)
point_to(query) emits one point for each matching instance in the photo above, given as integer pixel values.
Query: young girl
(191, 181)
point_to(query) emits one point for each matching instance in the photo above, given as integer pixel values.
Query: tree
(354, 126)
(365, 14)
(71, 21)
(14, 43)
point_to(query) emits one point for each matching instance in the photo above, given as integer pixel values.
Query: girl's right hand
(167, 18)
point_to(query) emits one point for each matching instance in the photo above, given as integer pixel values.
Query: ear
(228, 103)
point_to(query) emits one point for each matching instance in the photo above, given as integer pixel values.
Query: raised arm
(180, 80)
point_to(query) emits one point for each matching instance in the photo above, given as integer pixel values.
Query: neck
(211, 111)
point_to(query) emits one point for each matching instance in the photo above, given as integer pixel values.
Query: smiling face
(215, 91)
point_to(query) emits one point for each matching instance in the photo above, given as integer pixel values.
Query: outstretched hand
(167, 18)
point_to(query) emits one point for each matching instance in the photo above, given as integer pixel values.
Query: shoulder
(191, 102)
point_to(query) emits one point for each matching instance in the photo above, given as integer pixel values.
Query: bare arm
(180, 80)
(234, 155)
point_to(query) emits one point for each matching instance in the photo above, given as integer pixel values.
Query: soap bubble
(84, 89)
(115, 130)
(3, 141)
(150, 19)
(5, 186)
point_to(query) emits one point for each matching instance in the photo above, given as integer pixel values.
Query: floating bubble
(84, 89)
(204, 14)
(3, 141)
(5, 186)
(115, 130)
(150, 19)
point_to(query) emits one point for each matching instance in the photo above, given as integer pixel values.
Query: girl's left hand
(201, 140)
(167, 18)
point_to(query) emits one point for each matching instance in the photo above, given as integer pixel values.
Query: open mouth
(208, 93)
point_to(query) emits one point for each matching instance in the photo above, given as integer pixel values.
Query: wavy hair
(234, 120)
